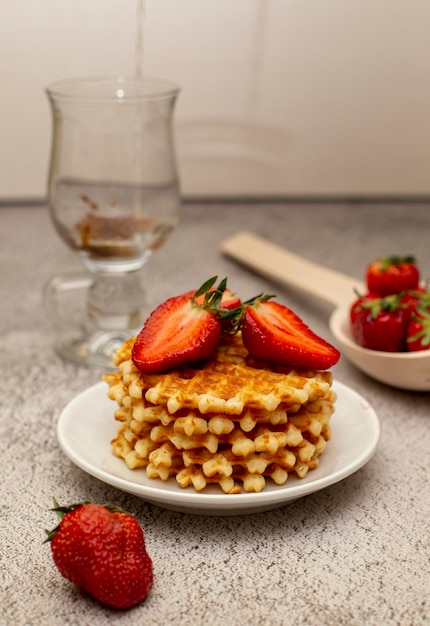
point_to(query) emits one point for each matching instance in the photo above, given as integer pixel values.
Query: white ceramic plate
(86, 427)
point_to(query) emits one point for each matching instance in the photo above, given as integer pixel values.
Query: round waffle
(230, 382)
(232, 421)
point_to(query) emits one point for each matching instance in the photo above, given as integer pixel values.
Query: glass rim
(91, 89)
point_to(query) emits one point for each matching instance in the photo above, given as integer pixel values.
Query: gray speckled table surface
(357, 552)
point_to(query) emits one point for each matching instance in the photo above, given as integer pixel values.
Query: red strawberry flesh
(228, 301)
(271, 331)
(177, 332)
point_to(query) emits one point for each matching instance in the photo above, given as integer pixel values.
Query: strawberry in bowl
(379, 323)
(418, 330)
(392, 316)
(392, 274)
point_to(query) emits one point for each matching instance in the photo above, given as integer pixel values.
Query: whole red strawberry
(379, 323)
(389, 275)
(363, 302)
(271, 331)
(418, 331)
(102, 550)
(416, 298)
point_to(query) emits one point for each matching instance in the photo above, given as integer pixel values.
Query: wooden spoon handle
(287, 268)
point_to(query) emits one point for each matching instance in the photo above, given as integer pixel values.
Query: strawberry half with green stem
(272, 331)
(380, 323)
(102, 550)
(184, 329)
(228, 300)
(418, 331)
(393, 274)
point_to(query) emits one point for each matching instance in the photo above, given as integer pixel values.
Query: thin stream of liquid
(260, 28)
(140, 17)
(139, 80)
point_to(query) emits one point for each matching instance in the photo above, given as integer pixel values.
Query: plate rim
(188, 499)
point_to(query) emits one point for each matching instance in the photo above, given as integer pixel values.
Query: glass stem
(116, 302)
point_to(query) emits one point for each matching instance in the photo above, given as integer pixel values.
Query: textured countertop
(357, 552)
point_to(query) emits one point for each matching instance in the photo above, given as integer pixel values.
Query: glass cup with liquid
(113, 194)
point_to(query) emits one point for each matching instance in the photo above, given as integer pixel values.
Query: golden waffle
(234, 422)
(229, 383)
(234, 459)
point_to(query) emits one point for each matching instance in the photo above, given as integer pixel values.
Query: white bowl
(403, 370)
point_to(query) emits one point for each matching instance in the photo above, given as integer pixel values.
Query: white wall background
(279, 97)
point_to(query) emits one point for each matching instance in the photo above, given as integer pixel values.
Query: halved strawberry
(184, 329)
(178, 331)
(271, 331)
(228, 300)
(222, 302)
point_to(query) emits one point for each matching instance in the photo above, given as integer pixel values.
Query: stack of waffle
(234, 422)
